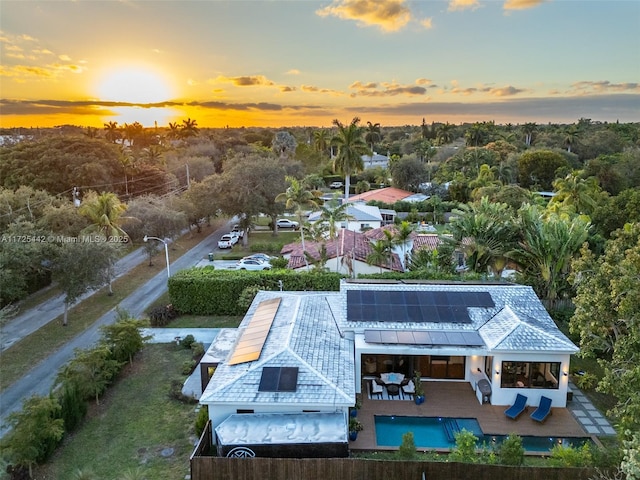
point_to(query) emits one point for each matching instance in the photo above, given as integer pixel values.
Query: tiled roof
(387, 195)
(303, 335)
(348, 242)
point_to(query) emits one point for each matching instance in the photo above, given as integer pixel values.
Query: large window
(530, 375)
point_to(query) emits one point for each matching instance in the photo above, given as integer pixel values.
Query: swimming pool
(439, 432)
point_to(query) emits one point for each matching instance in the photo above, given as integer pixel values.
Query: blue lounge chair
(519, 406)
(543, 411)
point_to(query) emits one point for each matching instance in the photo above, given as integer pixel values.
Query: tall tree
(486, 232)
(284, 145)
(549, 242)
(104, 211)
(112, 132)
(189, 128)
(81, 266)
(382, 251)
(351, 147)
(298, 198)
(321, 140)
(529, 129)
(445, 133)
(577, 193)
(373, 134)
(607, 318)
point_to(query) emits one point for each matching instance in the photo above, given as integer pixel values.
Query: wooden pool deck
(457, 399)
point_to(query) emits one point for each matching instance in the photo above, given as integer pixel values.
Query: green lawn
(135, 421)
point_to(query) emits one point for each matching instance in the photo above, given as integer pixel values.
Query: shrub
(175, 393)
(279, 263)
(197, 349)
(407, 450)
(247, 296)
(188, 366)
(465, 450)
(73, 406)
(187, 341)
(586, 381)
(201, 420)
(266, 247)
(562, 456)
(511, 451)
(161, 316)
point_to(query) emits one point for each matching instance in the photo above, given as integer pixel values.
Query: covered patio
(458, 400)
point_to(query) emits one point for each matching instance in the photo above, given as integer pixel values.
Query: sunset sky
(304, 63)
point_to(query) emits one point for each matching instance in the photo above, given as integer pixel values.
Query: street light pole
(166, 251)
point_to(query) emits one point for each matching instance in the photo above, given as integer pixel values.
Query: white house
(310, 352)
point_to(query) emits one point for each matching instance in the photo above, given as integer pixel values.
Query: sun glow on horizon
(134, 85)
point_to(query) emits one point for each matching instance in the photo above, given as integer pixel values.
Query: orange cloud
(247, 80)
(457, 5)
(387, 89)
(388, 15)
(521, 4)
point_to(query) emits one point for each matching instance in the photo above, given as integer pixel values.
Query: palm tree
(572, 135)
(445, 133)
(104, 211)
(576, 193)
(298, 198)
(485, 232)
(333, 213)
(373, 134)
(189, 128)
(174, 131)
(351, 147)
(529, 129)
(321, 140)
(113, 132)
(126, 160)
(403, 233)
(380, 253)
(548, 243)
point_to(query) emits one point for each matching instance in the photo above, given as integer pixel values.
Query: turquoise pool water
(439, 432)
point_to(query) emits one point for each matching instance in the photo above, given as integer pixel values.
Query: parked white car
(263, 257)
(252, 264)
(336, 185)
(227, 241)
(286, 223)
(236, 230)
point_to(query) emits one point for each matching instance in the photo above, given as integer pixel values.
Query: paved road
(40, 379)
(31, 320)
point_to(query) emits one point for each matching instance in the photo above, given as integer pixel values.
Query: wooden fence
(217, 468)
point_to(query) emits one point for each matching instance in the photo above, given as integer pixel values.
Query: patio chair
(409, 389)
(541, 413)
(519, 406)
(376, 389)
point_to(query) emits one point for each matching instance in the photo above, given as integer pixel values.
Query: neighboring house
(299, 353)
(360, 218)
(388, 195)
(375, 160)
(345, 254)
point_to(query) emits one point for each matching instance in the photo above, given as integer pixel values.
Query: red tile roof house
(346, 254)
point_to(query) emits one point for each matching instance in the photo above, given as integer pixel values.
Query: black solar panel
(424, 337)
(414, 305)
(278, 379)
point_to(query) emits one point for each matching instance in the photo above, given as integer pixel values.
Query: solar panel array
(278, 379)
(424, 337)
(252, 340)
(413, 305)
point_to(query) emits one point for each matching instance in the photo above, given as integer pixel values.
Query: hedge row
(199, 291)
